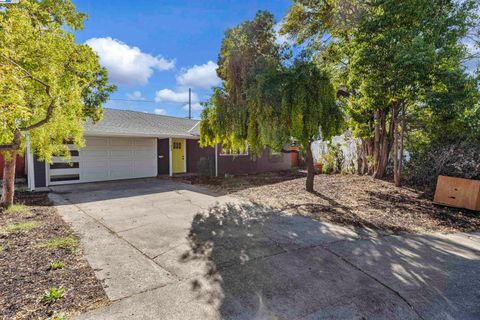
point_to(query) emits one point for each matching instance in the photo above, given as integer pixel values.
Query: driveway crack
(395, 292)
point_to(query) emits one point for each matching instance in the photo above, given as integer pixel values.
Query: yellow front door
(178, 155)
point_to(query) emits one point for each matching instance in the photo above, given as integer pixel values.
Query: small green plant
(16, 208)
(19, 227)
(67, 243)
(21, 189)
(53, 294)
(56, 265)
(206, 167)
(333, 160)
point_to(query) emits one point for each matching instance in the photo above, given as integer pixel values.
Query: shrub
(67, 243)
(53, 294)
(56, 265)
(206, 167)
(19, 227)
(460, 159)
(333, 160)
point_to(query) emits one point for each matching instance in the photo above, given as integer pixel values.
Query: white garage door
(108, 158)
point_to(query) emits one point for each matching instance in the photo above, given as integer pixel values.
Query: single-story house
(130, 144)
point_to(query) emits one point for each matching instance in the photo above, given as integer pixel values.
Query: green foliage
(45, 75)
(456, 159)
(264, 100)
(68, 243)
(19, 227)
(56, 265)
(409, 53)
(231, 118)
(333, 160)
(206, 167)
(16, 209)
(53, 295)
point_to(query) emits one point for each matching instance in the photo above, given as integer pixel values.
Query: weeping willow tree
(263, 102)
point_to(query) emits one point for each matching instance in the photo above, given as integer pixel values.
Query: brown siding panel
(195, 152)
(245, 164)
(19, 166)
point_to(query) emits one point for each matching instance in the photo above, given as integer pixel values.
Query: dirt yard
(350, 200)
(38, 251)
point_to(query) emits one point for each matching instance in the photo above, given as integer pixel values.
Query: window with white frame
(233, 152)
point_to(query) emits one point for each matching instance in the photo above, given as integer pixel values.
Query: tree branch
(47, 91)
(17, 140)
(343, 93)
(45, 120)
(28, 74)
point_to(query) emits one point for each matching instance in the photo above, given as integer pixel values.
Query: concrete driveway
(166, 250)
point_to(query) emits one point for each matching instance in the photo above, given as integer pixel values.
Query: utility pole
(189, 103)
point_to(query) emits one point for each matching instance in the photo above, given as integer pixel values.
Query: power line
(131, 100)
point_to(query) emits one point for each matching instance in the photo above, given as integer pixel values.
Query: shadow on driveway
(264, 265)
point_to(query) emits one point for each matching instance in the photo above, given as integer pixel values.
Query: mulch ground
(350, 200)
(24, 267)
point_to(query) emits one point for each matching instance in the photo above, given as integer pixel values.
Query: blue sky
(155, 50)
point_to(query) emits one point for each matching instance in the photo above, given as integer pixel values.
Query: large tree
(264, 100)
(49, 85)
(390, 58)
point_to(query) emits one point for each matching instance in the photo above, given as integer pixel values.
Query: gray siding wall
(39, 173)
(163, 156)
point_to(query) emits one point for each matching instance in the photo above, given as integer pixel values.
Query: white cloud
(203, 76)
(195, 106)
(127, 65)
(135, 95)
(160, 111)
(174, 96)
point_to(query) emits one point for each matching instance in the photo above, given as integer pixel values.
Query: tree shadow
(260, 264)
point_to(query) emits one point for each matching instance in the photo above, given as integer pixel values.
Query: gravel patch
(26, 264)
(350, 200)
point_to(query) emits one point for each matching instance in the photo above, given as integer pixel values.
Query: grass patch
(1, 249)
(19, 227)
(53, 294)
(67, 243)
(56, 265)
(16, 208)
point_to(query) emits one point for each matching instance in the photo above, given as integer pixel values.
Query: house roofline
(139, 135)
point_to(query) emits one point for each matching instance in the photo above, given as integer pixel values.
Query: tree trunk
(8, 186)
(399, 137)
(366, 156)
(396, 177)
(383, 142)
(310, 168)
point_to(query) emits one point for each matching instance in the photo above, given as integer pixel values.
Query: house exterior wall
(245, 164)
(39, 170)
(195, 153)
(163, 156)
(19, 166)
